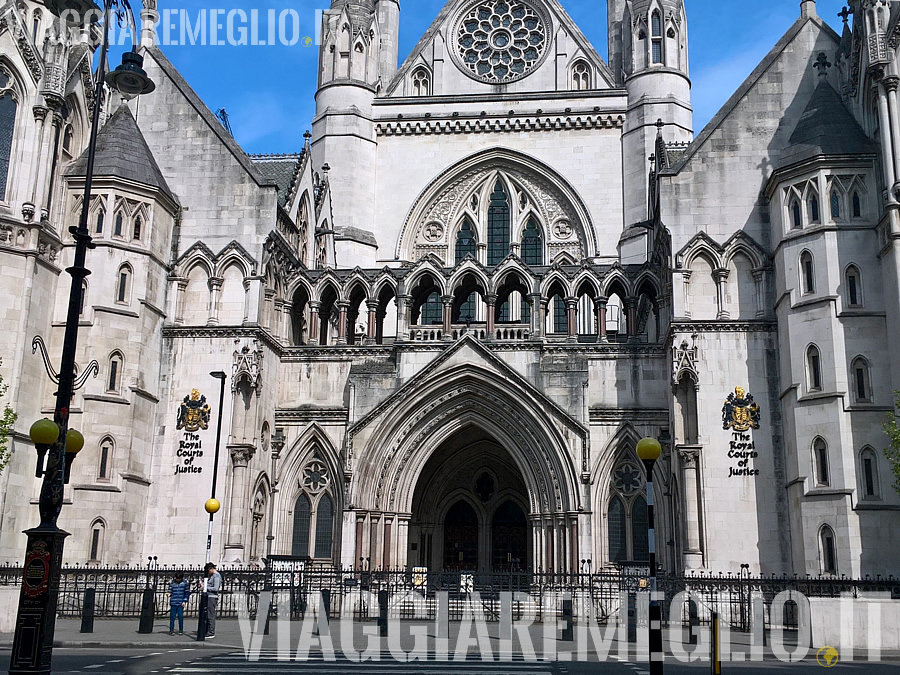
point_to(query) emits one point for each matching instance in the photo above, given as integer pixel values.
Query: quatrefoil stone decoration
(499, 41)
(315, 476)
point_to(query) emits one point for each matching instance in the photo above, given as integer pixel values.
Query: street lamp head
(219, 375)
(74, 442)
(44, 432)
(648, 449)
(74, 12)
(212, 506)
(130, 78)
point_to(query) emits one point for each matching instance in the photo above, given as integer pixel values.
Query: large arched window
(532, 244)
(465, 241)
(8, 107)
(807, 273)
(828, 550)
(820, 461)
(324, 526)
(813, 369)
(627, 517)
(860, 380)
(95, 547)
(498, 225)
(868, 474)
(853, 286)
(302, 516)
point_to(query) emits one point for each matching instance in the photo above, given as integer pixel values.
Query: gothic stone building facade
(447, 321)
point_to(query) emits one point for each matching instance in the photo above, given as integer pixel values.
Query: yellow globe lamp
(648, 449)
(74, 442)
(44, 432)
(212, 506)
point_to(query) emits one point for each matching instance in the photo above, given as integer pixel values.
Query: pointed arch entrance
(469, 506)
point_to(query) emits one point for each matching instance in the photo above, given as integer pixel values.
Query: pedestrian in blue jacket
(179, 592)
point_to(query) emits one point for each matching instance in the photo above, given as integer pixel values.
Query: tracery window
(314, 512)
(581, 76)
(498, 225)
(421, 83)
(532, 244)
(656, 30)
(465, 241)
(835, 205)
(627, 517)
(8, 107)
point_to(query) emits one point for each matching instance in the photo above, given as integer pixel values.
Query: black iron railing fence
(298, 589)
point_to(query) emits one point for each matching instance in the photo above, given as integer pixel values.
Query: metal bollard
(326, 603)
(147, 602)
(383, 613)
(568, 631)
(715, 656)
(693, 622)
(87, 610)
(632, 616)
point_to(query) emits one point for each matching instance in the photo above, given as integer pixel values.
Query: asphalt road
(210, 661)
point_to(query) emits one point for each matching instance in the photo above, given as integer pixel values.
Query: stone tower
(648, 52)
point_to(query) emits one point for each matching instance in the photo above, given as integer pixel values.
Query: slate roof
(280, 168)
(826, 127)
(122, 152)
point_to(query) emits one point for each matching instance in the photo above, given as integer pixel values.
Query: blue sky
(269, 91)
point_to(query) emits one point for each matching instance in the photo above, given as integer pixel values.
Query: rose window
(628, 479)
(501, 40)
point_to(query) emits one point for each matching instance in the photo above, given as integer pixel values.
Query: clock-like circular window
(499, 41)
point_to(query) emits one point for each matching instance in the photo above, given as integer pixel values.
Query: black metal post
(657, 655)
(32, 650)
(87, 610)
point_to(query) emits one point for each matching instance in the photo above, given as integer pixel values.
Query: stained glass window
(465, 241)
(324, 527)
(7, 127)
(532, 244)
(498, 226)
(300, 544)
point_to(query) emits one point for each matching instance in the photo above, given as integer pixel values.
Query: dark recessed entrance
(509, 536)
(461, 538)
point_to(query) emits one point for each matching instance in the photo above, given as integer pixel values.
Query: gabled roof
(553, 7)
(826, 127)
(282, 169)
(122, 152)
(760, 70)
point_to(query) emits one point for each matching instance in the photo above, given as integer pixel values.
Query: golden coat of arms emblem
(193, 415)
(740, 412)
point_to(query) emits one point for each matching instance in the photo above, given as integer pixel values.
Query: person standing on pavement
(179, 592)
(213, 586)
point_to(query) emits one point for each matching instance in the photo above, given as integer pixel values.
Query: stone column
(215, 289)
(43, 197)
(759, 277)
(28, 196)
(890, 85)
(448, 317)
(573, 543)
(481, 253)
(542, 316)
(268, 308)
(342, 306)
(403, 303)
(693, 544)
(537, 543)
(359, 552)
(374, 522)
(886, 146)
(238, 503)
(549, 565)
(41, 161)
(386, 558)
(631, 307)
(721, 279)
(177, 287)
(380, 316)
(535, 304)
(402, 540)
(313, 322)
(491, 301)
(253, 287)
(600, 304)
(572, 319)
(372, 327)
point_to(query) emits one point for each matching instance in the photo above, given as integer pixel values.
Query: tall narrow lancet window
(465, 241)
(813, 369)
(796, 215)
(656, 30)
(99, 227)
(807, 272)
(324, 527)
(857, 205)
(421, 83)
(853, 287)
(835, 205)
(300, 539)
(498, 226)
(119, 226)
(828, 550)
(532, 244)
(8, 108)
(618, 539)
(820, 457)
(813, 208)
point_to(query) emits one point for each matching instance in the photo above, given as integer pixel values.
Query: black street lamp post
(648, 451)
(212, 507)
(36, 619)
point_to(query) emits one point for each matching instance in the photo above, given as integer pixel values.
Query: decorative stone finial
(822, 64)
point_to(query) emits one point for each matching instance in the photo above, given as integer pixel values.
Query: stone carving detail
(685, 360)
(6, 234)
(241, 454)
(433, 232)
(315, 476)
(500, 40)
(247, 366)
(688, 458)
(562, 230)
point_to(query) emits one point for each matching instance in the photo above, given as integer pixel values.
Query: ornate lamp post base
(36, 620)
